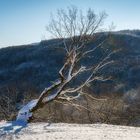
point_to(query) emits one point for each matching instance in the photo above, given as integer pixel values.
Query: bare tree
(75, 30)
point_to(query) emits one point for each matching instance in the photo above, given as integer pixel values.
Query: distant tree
(75, 30)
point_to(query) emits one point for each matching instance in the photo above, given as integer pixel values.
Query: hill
(27, 69)
(36, 65)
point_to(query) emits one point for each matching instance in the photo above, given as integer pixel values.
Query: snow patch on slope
(24, 113)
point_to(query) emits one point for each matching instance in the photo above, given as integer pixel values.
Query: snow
(13, 127)
(62, 131)
(48, 98)
(24, 113)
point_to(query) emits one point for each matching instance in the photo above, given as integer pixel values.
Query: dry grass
(113, 110)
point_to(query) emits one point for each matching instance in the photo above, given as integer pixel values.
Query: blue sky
(24, 21)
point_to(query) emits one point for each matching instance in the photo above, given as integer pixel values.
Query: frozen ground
(61, 131)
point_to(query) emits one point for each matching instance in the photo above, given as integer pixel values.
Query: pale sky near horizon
(24, 21)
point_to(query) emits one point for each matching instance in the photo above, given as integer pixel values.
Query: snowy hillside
(61, 131)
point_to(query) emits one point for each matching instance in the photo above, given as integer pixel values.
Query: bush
(112, 110)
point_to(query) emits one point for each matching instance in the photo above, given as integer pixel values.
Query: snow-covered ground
(61, 131)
